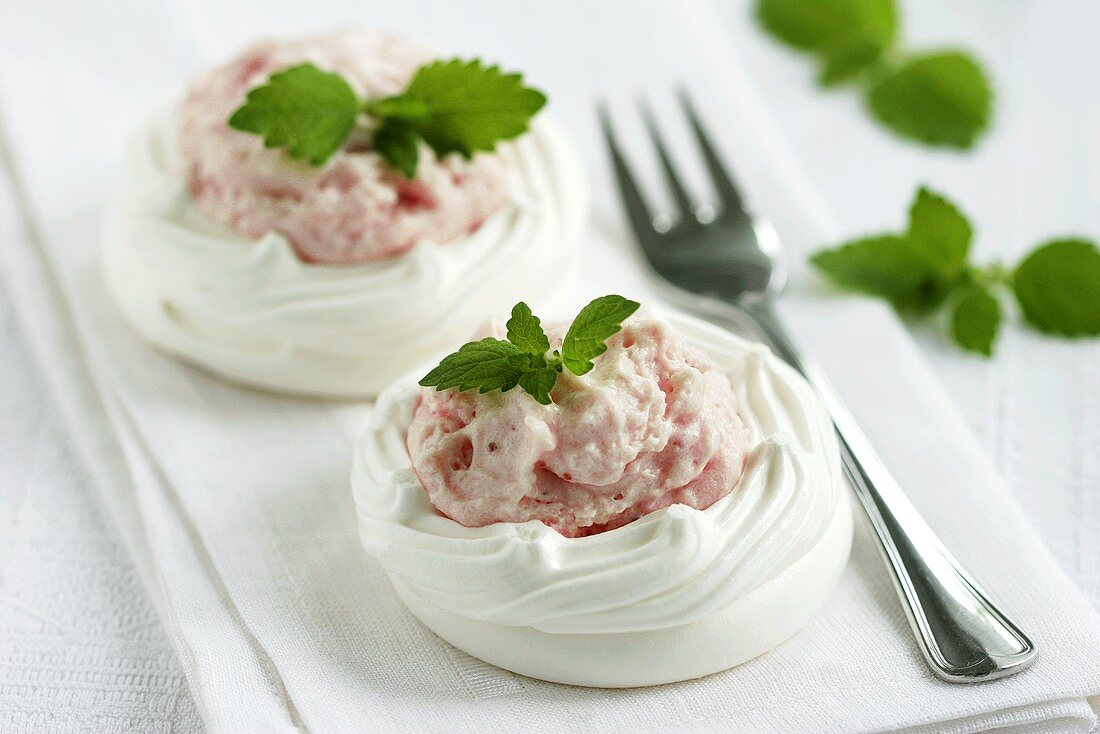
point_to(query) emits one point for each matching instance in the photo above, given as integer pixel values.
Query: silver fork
(734, 256)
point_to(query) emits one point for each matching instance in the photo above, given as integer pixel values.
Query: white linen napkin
(236, 503)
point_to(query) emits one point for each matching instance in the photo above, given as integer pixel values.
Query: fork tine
(680, 197)
(727, 191)
(636, 208)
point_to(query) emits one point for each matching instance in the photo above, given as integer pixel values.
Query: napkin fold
(235, 504)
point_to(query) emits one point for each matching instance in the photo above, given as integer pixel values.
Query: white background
(1035, 405)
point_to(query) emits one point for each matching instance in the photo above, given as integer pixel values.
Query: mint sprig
(524, 359)
(1057, 285)
(453, 106)
(941, 98)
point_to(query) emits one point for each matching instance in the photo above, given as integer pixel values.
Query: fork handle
(964, 637)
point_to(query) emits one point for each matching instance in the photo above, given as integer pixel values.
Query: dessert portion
(319, 214)
(653, 424)
(492, 502)
(356, 208)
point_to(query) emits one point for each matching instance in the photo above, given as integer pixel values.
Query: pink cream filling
(652, 425)
(355, 209)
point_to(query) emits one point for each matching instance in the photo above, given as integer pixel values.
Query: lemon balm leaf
(539, 382)
(304, 110)
(525, 331)
(464, 106)
(976, 319)
(488, 364)
(942, 98)
(596, 322)
(939, 232)
(1058, 287)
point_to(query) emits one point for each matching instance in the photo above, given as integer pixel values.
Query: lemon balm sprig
(941, 97)
(1057, 285)
(453, 106)
(524, 357)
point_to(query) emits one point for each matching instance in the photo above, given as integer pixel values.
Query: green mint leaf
(1058, 287)
(886, 266)
(939, 232)
(396, 141)
(539, 382)
(464, 106)
(976, 319)
(847, 36)
(596, 322)
(489, 364)
(306, 111)
(942, 98)
(525, 331)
